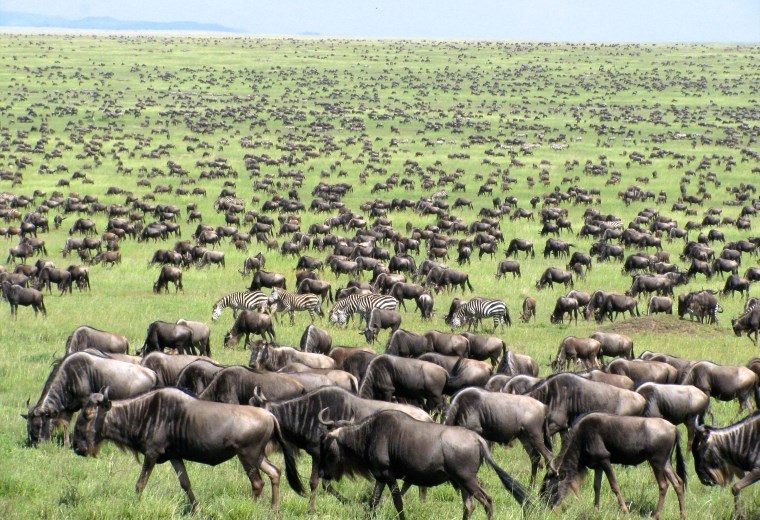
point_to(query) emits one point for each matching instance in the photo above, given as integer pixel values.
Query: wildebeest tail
(512, 485)
(680, 465)
(68, 345)
(291, 468)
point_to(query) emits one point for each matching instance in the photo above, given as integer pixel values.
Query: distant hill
(15, 19)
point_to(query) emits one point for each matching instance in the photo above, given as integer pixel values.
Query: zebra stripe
(478, 308)
(361, 303)
(291, 302)
(248, 300)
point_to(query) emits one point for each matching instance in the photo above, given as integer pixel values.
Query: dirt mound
(662, 324)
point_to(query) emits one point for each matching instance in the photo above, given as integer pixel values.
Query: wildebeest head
(708, 463)
(335, 460)
(370, 334)
(38, 423)
(259, 354)
(89, 426)
(556, 485)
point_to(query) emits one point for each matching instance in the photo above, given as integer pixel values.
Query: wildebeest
(201, 335)
(321, 288)
(553, 275)
(517, 244)
(265, 356)
(166, 366)
(514, 364)
(677, 404)
(568, 396)
(169, 273)
(407, 344)
(197, 375)
(462, 372)
(298, 418)
(642, 371)
(315, 340)
(49, 275)
(736, 283)
(749, 322)
(162, 335)
(381, 319)
(391, 445)
(250, 322)
(69, 385)
(613, 345)
(237, 384)
(720, 454)
(17, 295)
(577, 350)
(485, 348)
(528, 309)
(448, 344)
(617, 304)
(599, 440)
(267, 279)
(660, 304)
(416, 381)
(501, 418)
(85, 337)
(179, 427)
(564, 306)
(508, 266)
(723, 382)
(705, 301)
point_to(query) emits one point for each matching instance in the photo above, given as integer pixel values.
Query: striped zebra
(225, 203)
(361, 303)
(291, 302)
(248, 300)
(476, 309)
(441, 194)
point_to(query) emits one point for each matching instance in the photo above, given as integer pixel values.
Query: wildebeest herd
(392, 363)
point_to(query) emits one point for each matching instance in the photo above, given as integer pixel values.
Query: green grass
(467, 98)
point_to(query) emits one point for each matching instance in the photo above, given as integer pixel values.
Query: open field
(118, 108)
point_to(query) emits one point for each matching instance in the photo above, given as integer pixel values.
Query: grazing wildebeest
(613, 345)
(391, 445)
(660, 304)
(17, 295)
(617, 304)
(553, 275)
(201, 335)
(448, 344)
(250, 322)
(514, 364)
(49, 275)
(162, 335)
(425, 305)
(705, 301)
(22, 251)
(237, 384)
(720, 454)
(518, 244)
(642, 371)
(501, 418)
(462, 372)
(179, 427)
(749, 322)
(569, 396)
(85, 337)
(724, 382)
(508, 266)
(298, 418)
(169, 273)
(381, 319)
(406, 291)
(417, 381)
(264, 356)
(315, 340)
(211, 257)
(677, 404)
(484, 348)
(723, 265)
(267, 279)
(408, 344)
(70, 383)
(564, 306)
(321, 288)
(599, 440)
(528, 309)
(577, 350)
(736, 283)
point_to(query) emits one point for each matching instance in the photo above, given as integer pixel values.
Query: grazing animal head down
(89, 426)
(38, 423)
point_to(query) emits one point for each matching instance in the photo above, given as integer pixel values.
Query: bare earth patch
(663, 324)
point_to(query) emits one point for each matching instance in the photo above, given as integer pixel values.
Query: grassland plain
(118, 108)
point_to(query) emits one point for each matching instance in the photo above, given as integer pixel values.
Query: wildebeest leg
(678, 486)
(327, 486)
(398, 500)
(148, 464)
(597, 486)
(467, 505)
(751, 477)
(313, 485)
(184, 482)
(273, 473)
(535, 459)
(662, 483)
(377, 494)
(614, 484)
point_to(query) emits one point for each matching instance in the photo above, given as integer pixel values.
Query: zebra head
(216, 312)
(457, 320)
(338, 317)
(275, 296)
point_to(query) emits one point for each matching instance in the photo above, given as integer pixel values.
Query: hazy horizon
(593, 21)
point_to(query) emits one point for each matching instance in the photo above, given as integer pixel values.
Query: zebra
(750, 304)
(476, 309)
(361, 303)
(224, 203)
(292, 302)
(439, 195)
(248, 300)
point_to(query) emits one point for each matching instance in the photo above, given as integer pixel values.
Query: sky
(513, 20)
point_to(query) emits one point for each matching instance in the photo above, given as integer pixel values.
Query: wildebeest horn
(322, 420)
